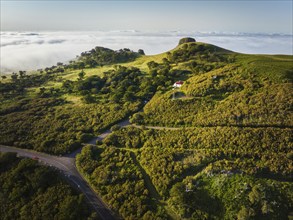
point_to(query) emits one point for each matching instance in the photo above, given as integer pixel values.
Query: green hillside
(202, 173)
(218, 147)
(254, 90)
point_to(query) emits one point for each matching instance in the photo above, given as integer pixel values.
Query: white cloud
(27, 50)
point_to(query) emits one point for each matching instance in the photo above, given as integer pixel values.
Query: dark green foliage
(163, 76)
(20, 83)
(262, 198)
(54, 126)
(141, 52)
(186, 40)
(194, 204)
(116, 177)
(31, 191)
(127, 85)
(137, 118)
(81, 75)
(103, 56)
(85, 85)
(120, 85)
(115, 128)
(203, 53)
(231, 197)
(202, 171)
(256, 151)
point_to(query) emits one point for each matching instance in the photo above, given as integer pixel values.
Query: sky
(273, 16)
(38, 34)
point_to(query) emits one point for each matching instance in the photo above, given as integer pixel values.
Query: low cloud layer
(29, 50)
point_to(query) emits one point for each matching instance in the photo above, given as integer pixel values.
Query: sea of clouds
(34, 50)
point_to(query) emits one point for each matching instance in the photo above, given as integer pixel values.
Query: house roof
(179, 82)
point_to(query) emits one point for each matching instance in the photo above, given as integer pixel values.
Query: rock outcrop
(186, 40)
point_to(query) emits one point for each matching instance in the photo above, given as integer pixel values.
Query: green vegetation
(200, 172)
(29, 190)
(53, 124)
(234, 196)
(100, 56)
(20, 82)
(229, 158)
(56, 116)
(237, 94)
(186, 40)
(113, 173)
(271, 158)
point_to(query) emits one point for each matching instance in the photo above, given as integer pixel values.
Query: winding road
(66, 164)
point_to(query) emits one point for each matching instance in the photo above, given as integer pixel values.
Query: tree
(22, 74)
(47, 70)
(255, 195)
(81, 65)
(137, 118)
(60, 70)
(141, 52)
(84, 137)
(42, 91)
(128, 96)
(115, 128)
(165, 61)
(152, 64)
(81, 75)
(88, 99)
(14, 77)
(266, 208)
(245, 213)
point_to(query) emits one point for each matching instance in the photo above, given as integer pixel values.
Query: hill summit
(186, 40)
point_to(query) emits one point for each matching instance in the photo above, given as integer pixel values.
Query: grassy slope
(255, 88)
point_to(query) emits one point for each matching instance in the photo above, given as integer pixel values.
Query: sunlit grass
(73, 99)
(278, 68)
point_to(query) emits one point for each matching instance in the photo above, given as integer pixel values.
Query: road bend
(67, 166)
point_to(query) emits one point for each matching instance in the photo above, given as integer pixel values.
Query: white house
(178, 84)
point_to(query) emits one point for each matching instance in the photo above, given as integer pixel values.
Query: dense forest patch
(31, 191)
(114, 174)
(186, 167)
